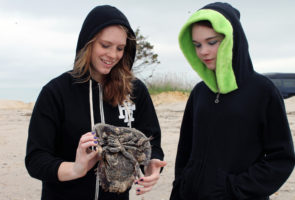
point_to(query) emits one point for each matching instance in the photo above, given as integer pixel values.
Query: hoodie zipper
(217, 97)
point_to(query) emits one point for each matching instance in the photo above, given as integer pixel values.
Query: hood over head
(99, 18)
(233, 64)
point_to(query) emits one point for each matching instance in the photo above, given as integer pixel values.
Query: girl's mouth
(208, 61)
(107, 62)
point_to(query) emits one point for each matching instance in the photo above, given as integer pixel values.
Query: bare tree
(145, 57)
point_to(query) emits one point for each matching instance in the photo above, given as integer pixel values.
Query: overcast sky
(38, 38)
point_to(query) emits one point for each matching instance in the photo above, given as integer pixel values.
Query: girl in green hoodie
(235, 141)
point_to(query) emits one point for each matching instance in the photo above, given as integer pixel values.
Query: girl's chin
(104, 72)
(211, 67)
(99, 73)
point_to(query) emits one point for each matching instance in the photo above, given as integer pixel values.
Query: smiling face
(107, 51)
(206, 42)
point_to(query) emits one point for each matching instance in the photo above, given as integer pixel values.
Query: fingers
(151, 178)
(88, 140)
(87, 137)
(142, 190)
(147, 182)
(147, 186)
(85, 158)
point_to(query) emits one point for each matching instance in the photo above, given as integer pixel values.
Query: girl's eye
(120, 49)
(197, 45)
(212, 42)
(104, 46)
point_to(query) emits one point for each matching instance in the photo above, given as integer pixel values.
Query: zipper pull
(217, 98)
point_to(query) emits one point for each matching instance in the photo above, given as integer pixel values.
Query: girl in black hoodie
(235, 141)
(67, 108)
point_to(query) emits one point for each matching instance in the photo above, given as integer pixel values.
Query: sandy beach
(16, 184)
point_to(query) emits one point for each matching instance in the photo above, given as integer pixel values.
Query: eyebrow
(209, 38)
(110, 42)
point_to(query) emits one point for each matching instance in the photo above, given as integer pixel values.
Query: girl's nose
(112, 53)
(204, 50)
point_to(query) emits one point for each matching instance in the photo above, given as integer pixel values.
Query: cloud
(33, 46)
(38, 38)
(286, 64)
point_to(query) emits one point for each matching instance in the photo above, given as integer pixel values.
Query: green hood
(223, 80)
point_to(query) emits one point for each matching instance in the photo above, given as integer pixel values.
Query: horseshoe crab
(122, 151)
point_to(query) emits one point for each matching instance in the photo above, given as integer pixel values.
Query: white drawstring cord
(92, 128)
(91, 105)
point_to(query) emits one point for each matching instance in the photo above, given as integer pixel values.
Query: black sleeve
(146, 119)
(40, 159)
(267, 175)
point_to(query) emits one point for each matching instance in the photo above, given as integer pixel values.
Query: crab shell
(122, 151)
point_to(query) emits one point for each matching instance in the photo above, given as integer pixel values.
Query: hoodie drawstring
(92, 127)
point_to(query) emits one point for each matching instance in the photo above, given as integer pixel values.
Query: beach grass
(167, 83)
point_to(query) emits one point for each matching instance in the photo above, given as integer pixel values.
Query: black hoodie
(62, 114)
(240, 147)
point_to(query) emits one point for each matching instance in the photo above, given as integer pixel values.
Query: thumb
(159, 163)
(162, 163)
(92, 154)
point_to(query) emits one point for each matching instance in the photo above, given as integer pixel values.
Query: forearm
(67, 172)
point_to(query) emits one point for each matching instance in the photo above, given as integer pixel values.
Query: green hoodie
(223, 80)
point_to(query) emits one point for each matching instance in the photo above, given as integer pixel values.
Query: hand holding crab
(84, 161)
(152, 175)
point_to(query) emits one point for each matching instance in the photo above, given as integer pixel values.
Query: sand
(16, 184)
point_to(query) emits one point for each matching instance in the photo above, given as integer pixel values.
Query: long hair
(117, 85)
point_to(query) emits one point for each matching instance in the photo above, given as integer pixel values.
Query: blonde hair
(117, 85)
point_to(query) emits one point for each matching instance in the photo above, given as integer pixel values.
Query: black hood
(99, 18)
(242, 64)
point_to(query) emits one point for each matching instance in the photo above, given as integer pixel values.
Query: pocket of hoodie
(216, 185)
(190, 178)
